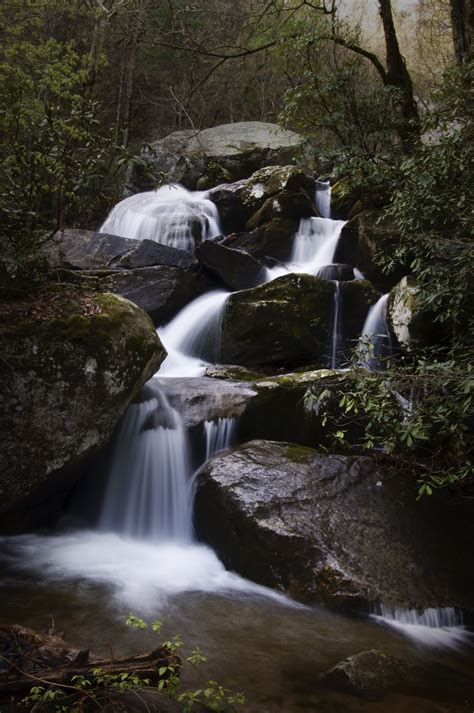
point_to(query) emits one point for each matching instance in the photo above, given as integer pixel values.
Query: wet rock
(273, 239)
(339, 272)
(287, 322)
(236, 268)
(200, 399)
(160, 291)
(226, 152)
(237, 202)
(364, 239)
(67, 382)
(287, 204)
(372, 672)
(87, 250)
(233, 373)
(412, 324)
(340, 530)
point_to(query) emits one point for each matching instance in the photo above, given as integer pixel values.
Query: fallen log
(29, 659)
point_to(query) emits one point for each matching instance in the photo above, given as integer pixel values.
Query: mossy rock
(412, 324)
(66, 383)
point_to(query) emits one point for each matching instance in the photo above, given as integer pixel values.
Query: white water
(219, 435)
(192, 338)
(148, 494)
(315, 244)
(322, 198)
(142, 575)
(442, 627)
(375, 343)
(170, 215)
(336, 326)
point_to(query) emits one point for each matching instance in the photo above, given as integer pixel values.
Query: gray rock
(237, 202)
(66, 383)
(234, 150)
(412, 325)
(87, 250)
(160, 291)
(372, 672)
(271, 240)
(346, 531)
(236, 268)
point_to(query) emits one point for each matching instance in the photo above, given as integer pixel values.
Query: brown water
(267, 647)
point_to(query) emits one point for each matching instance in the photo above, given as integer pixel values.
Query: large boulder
(226, 152)
(235, 268)
(86, 250)
(71, 367)
(287, 322)
(344, 531)
(271, 240)
(411, 323)
(237, 202)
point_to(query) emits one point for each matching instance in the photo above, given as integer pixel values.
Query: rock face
(412, 325)
(227, 152)
(67, 382)
(282, 189)
(86, 250)
(340, 530)
(287, 322)
(235, 268)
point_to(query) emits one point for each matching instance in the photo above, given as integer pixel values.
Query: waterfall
(432, 627)
(170, 215)
(315, 244)
(322, 198)
(336, 326)
(148, 492)
(219, 435)
(192, 338)
(375, 343)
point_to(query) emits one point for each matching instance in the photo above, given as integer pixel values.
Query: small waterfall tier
(192, 338)
(442, 627)
(219, 435)
(315, 244)
(170, 215)
(375, 344)
(148, 494)
(336, 336)
(322, 198)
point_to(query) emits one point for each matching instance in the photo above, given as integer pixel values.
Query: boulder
(235, 268)
(411, 323)
(237, 202)
(364, 239)
(272, 240)
(160, 291)
(287, 204)
(287, 322)
(87, 250)
(71, 368)
(344, 531)
(226, 152)
(373, 672)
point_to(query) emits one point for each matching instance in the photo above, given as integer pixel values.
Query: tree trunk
(462, 22)
(398, 76)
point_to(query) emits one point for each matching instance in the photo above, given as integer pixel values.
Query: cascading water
(315, 244)
(170, 215)
(219, 435)
(322, 198)
(336, 326)
(432, 627)
(148, 493)
(375, 344)
(192, 338)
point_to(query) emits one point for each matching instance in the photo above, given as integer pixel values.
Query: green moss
(298, 454)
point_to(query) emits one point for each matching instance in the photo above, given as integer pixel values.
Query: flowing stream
(141, 555)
